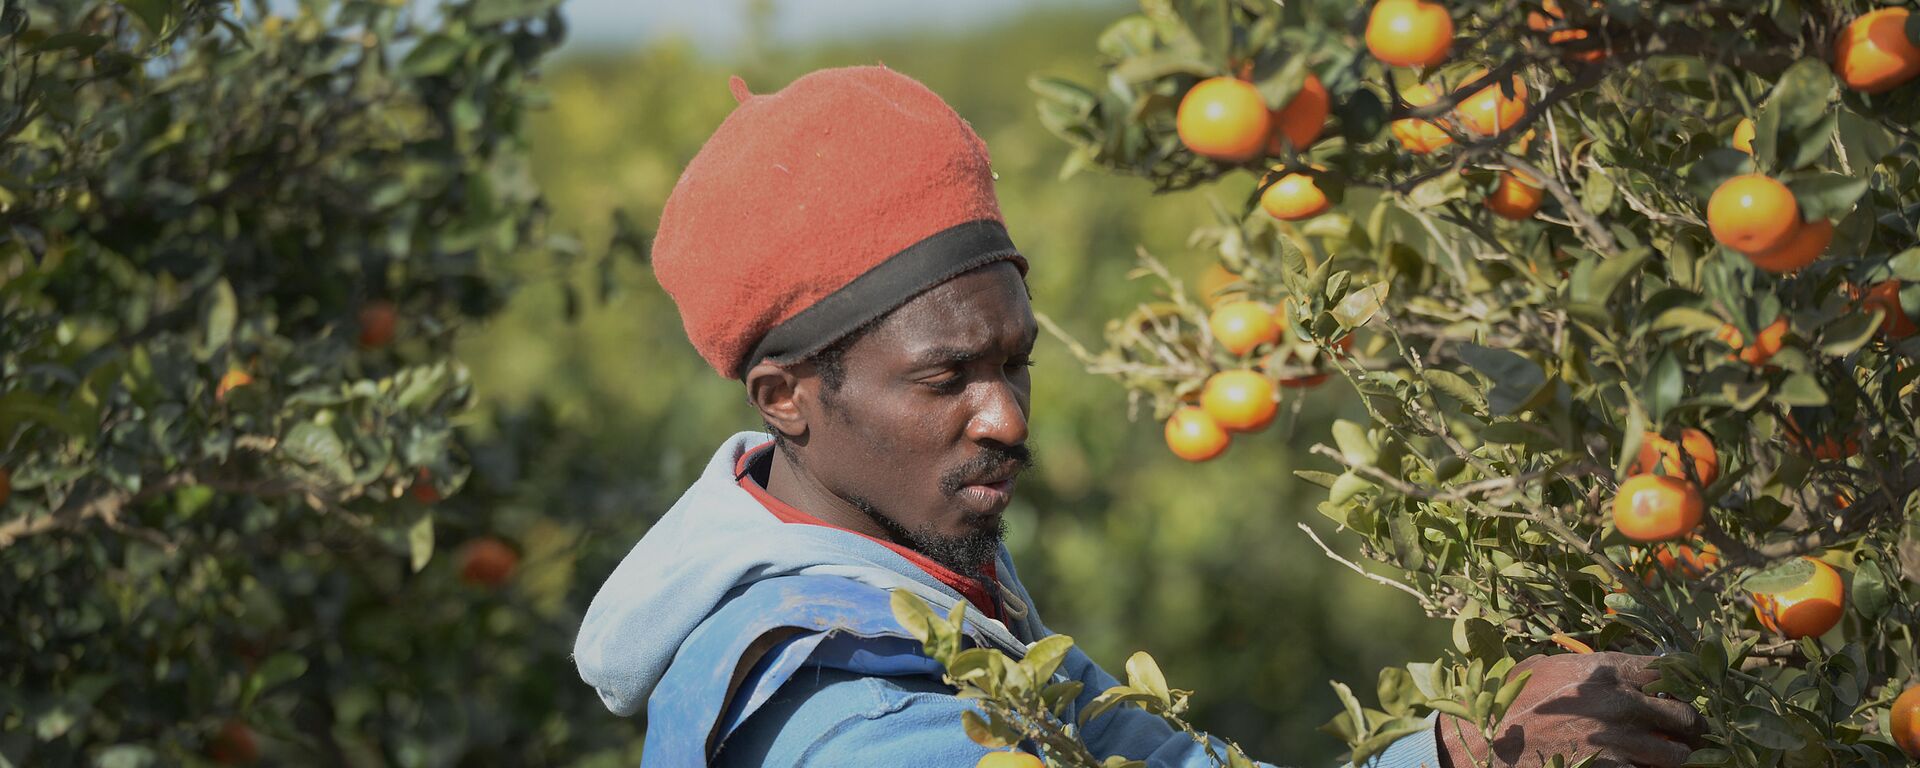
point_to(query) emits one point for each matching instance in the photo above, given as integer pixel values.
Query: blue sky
(717, 25)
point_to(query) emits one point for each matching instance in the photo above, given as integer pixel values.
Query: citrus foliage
(235, 251)
(1621, 284)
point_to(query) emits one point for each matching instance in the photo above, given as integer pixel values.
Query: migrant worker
(837, 248)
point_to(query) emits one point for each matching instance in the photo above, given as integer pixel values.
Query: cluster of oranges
(1660, 504)
(1240, 399)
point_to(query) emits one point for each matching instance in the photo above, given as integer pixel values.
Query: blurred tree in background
(320, 435)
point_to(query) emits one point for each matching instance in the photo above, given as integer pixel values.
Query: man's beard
(968, 553)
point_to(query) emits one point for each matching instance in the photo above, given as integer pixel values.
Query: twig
(1425, 603)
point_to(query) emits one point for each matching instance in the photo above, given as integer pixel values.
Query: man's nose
(1001, 416)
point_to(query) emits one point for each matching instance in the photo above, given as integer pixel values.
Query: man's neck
(789, 483)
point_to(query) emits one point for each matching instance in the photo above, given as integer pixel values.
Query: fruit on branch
(1302, 119)
(1490, 110)
(1541, 22)
(1407, 33)
(488, 562)
(1293, 197)
(1009, 760)
(1752, 213)
(1225, 119)
(1666, 455)
(1829, 446)
(1743, 134)
(1690, 560)
(1904, 721)
(234, 745)
(1240, 401)
(1243, 326)
(378, 319)
(1885, 296)
(1516, 198)
(1808, 610)
(1803, 248)
(230, 381)
(1766, 343)
(1193, 435)
(1657, 508)
(1416, 135)
(423, 490)
(1873, 54)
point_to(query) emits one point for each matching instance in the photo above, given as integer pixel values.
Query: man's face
(928, 429)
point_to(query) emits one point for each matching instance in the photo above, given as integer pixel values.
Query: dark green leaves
(1515, 378)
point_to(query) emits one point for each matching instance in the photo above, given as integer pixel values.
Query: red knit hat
(816, 210)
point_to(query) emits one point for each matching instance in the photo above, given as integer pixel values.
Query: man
(837, 247)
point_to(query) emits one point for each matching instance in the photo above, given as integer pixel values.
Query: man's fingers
(1644, 749)
(1674, 717)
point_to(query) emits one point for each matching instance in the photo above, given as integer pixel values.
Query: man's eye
(944, 382)
(1020, 362)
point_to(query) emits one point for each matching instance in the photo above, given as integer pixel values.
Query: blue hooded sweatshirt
(755, 642)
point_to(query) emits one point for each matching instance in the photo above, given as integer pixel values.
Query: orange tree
(237, 243)
(1627, 290)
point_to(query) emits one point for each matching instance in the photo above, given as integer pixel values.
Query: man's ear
(777, 391)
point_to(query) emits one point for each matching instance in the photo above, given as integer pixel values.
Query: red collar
(786, 513)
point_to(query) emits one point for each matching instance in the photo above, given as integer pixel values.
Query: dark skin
(936, 397)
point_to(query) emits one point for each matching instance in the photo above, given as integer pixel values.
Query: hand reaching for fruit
(1579, 705)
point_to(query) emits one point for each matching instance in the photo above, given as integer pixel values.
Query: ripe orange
(1657, 508)
(423, 490)
(1904, 725)
(377, 321)
(1691, 560)
(1752, 213)
(1808, 610)
(1766, 344)
(488, 562)
(234, 745)
(230, 381)
(1516, 198)
(1803, 248)
(1408, 33)
(1195, 436)
(1542, 22)
(1215, 283)
(1666, 454)
(1243, 326)
(1420, 136)
(1301, 120)
(1885, 296)
(1225, 119)
(1873, 54)
(1829, 446)
(1009, 760)
(1743, 134)
(1240, 401)
(1294, 197)
(1489, 110)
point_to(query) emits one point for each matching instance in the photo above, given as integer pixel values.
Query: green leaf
(320, 448)
(157, 16)
(1849, 333)
(1714, 168)
(1478, 639)
(1780, 578)
(1663, 387)
(1046, 654)
(1870, 594)
(1766, 729)
(1801, 389)
(1143, 674)
(1826, 196)
(1280, 87)
(435, 54)
(1515, 378)
(1796, 112)
(217, 318)
(420, 541)
(1865, 142)
(984, 733)
(914, 614)
(1355, 447)
(496, 11)
(1114, 697)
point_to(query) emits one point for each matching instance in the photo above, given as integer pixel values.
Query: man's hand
(1579, 705)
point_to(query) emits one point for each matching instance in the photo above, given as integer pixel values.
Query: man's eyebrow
(946, 356)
